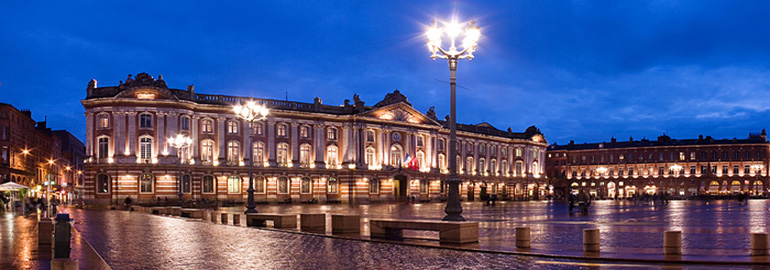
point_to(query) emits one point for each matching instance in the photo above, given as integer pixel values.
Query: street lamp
(471, 34)
(49, 179)
(251, 112)
(179, 142)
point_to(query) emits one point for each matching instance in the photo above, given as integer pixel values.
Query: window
(492, 150)
(331, 155)
(374, 186)
(504, 166)
(145, 120)
(442, 187)
(102, 183)
(440, 145)
(104, 146)
(258, 128)
(370, 136)
(630, 171)
(396, 156)
(283, 185)
(332, 185)
(746, 168)
(735, 169)
(424, 186)
(441, 161)
(305, 185)
(420, 141)
(234, 184)
(259, 153)
(304, 155)
(207, 150)
(5, 133)
(207, 126)
(681, 155)
(482, 149)
(186, 184)
(469, 165)
(724, 169)
(660, 171)
(232, 127)
(505, 151)
(184, 123)
(519, 167)
(331, 134)
(535, 168)
(103, 121)
(145, 183)
(304, 132)
(282, 130)
(282, 154)
(208, 184)
(493, 166)
(692, 155)
(518, 152)
(482, 166)
(420, 159)
(145, 148)
(369, 157)
(233, 152)
(260, 184)
(692, 170)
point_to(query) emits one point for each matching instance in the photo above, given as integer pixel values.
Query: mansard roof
(394, 106)
(662, 141)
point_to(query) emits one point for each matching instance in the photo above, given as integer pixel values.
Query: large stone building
(303, 152)
(30, 152)
(688, 167)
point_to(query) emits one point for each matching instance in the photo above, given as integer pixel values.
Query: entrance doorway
(483, 194)
(471, 192)
(400, 184)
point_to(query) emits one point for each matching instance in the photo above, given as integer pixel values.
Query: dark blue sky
(578, 70)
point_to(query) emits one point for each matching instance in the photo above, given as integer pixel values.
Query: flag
(411, 163)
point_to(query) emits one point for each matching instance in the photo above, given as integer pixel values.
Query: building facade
(688, 167)
(302, 152)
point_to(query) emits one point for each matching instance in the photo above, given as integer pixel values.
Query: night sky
(578, 70)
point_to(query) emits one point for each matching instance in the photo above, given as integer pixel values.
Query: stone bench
(174, 210)
(454, 232)
(158, 210)
(312, 222)
(191, 213)
(342, 224)
(280, 221)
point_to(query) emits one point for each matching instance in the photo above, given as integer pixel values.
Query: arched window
(332, 185)
(493, 167)
(233, 152)
(146, 183)
(331, 134)
(232, 127)
(208, 184)
(304, 155)
(370, 156)
(260, 184)
(145, 120)
(536, 170)
(305, 185)
(207, 126)
(234, 184)
(374, 186)
(103, 121)
(504, 151)
(519, 167)
(469, 165)
(259, 153)
(420, 159)
(103, 150)
(504, 166)
(441, 161)
(420, 141)
(102, 183)
(145, 148)
(282, 154)
(482, 149)
(186, 183)
(518, 151)
(482, 168)
(283, 185)
(331, 155)
(207, 150)
(396, 155)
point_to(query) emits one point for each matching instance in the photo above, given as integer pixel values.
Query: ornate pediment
(399, 112)
(144, 86)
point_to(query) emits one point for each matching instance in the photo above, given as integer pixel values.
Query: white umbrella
(11, 186)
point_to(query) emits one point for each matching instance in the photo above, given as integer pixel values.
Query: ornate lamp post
(180, 142)
(251, 112)
(49, 178)
(471, 34)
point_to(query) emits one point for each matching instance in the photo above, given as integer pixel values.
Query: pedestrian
(571, 202)
(128, 201)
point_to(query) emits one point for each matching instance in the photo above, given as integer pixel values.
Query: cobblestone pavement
(718, 230)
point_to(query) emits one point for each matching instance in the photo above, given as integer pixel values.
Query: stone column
(318, 146)
(294, 145)
(161, 132)
(119, 132)
(346, 143)
(361, 156)
(131, 135)
(386, 147)
(221, 139)
(271, 142)
(90, 134)
(194, 135)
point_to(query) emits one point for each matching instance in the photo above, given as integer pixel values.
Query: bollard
(44, 231)
(759, 244)
(591, 240)
(237, 220)
(672, 242)
(61, 236)
(522, 237)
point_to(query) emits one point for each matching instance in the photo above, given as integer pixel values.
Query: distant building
(28, 147)
(678, 167)
(303, 152)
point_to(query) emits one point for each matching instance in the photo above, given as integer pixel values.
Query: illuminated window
(331, 155)
(258, 128)
(493, 166)
(145, 120)
(469, 165)
(260, 184)
(282, 154)
(424, 186)
(258, 153)
(332, 185)
(208, 184)
(374, 186)
(504, 166)
(396, 155)
(305, 185)
(146, 183)
(420, 141)
(283, 185)
(420, 159)
(234, 184)
(232, 127)
(505, 151)
(145, 148)
(207, 150)
(282, 130)
(207, 126)
(102, 183)
(482, 165)
(186, 183)
(233, 152)
(304, 155)
(304, 132)
(331, 134)
(519, 168)
(518, 151)
(441, 161)
(103, 121)
(369, 157)
(103, 149)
